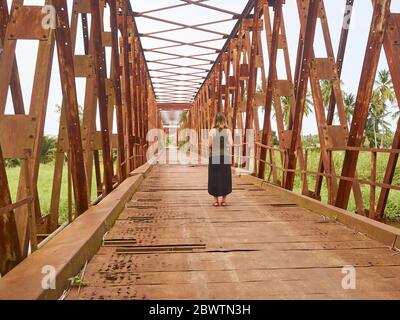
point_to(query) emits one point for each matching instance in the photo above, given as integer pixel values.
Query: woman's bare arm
(210, 138)
(230, 138)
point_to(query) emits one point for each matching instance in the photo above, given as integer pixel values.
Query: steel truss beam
(80, 145)
(236, 79)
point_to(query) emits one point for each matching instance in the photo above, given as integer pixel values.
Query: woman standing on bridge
(219, 170)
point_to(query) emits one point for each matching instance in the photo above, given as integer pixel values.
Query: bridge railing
(107, 105)
(254, 71)
(276, 173)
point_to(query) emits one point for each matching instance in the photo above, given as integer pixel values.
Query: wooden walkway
(170, 243)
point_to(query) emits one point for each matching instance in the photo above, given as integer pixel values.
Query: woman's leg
(223, 202)
(216, 202)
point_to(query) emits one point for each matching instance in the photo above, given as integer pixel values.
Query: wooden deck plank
(261, 246)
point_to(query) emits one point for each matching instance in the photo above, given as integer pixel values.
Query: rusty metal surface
(68, 251)
(170, 243)
(80, 146)
(272, 78)
(233, 80)
(282, 160)
(361, 109)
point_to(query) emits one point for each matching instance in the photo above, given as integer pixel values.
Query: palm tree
(286, 103)
(349, 103)
(384, 86)
(377, 126)
(382, 95)
(396, 113)
(326, 90)
(49, 147)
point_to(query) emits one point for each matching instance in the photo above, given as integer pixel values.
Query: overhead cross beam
(177, 45)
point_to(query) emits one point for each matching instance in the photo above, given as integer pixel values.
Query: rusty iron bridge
(144, 228)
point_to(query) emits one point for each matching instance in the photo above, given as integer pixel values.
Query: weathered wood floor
(170, 243)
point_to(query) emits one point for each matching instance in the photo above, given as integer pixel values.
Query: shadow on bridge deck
(170, 243)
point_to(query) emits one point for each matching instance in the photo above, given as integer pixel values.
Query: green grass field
(364, 171)
(45, 183)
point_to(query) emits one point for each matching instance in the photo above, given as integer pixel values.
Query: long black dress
(219, 168)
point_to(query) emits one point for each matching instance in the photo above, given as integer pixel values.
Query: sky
(359, 29)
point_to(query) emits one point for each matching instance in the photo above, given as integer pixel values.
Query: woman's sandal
(216, 204)
(224, 204)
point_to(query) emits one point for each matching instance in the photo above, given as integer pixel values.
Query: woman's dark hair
(220, 121)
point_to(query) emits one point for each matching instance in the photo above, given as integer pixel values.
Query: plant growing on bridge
(78, 282)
